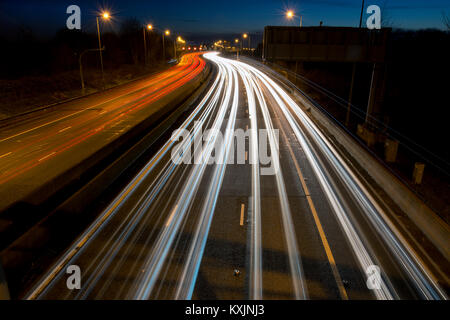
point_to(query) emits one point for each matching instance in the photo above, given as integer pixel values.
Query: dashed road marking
(49, 155)
(241, 222)
(62, 130)
(6, 154)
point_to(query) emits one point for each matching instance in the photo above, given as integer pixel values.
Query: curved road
(37, 147)
(284, 217)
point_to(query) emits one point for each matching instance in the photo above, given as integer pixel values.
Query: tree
(131, 33)
(386, 18)
(446, 20)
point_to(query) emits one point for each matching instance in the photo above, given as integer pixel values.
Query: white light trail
(139, 200)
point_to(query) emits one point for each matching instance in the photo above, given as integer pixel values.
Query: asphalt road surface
(283, 217)
(40, 146)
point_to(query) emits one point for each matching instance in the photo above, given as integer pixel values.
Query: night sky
(211, 18)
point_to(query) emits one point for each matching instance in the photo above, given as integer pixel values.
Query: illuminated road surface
(37, 147)
(227, 231)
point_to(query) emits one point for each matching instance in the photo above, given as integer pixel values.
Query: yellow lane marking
(169, 221)
(6, 154)
(49, 155)
(325, 243)
(241, 222)
(246, 155)
(62, 130)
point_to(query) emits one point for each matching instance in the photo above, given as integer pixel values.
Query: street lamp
(164, 34)
(179, 40)
(290, 15)
(148, 27)
(105, 16)
(245, 36)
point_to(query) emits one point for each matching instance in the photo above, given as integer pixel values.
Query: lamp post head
(105, 15)
(149, 27)
(290, 14)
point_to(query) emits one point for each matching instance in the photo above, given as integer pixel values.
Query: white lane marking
(113, 208)
(43, 125)
(49, 155)
(59, 119)
(6, 154)
(62, 130)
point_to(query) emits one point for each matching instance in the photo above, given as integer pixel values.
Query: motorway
(46, 152)
(283, 217)
(37, 147)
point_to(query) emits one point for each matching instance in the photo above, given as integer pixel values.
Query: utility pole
(362, 14)
(352, 83)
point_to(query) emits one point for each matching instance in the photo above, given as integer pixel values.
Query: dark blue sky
(218, 17)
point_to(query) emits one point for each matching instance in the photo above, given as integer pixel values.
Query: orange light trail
(190, 66)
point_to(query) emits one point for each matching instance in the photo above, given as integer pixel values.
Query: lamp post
(105, 16)
(179, 40)
(245, 36)
(147, 27)
(237, 48)
(165, 33)
(290, 15)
